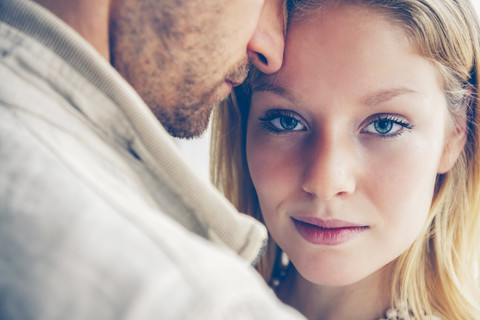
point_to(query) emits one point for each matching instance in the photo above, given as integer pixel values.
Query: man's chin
(190, 127)
(186, 134)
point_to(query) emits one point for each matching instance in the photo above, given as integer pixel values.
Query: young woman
(361, 156)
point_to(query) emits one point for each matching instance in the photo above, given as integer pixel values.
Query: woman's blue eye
(383, 126)
(286, 123)
(387, 126)
(279, 121)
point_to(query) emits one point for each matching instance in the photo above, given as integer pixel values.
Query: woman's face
(344, 145)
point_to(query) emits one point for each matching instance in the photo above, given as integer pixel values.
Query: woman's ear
(453, 147)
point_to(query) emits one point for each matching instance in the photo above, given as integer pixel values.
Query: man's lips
(327, 232)
(232, 83)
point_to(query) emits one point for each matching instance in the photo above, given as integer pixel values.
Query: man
(100, 218)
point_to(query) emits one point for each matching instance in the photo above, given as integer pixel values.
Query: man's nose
(265, 48)
(329, 170)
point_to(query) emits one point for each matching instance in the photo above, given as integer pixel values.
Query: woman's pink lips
(329, 232)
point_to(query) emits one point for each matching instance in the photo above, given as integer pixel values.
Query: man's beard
(190, 119)
(187, 122)
(239, 72)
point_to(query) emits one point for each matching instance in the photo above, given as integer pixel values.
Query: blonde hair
(439, 274)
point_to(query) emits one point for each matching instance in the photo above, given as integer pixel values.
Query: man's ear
(453, 147)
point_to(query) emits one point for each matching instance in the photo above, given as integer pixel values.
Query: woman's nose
(265, 48)
(328, 171)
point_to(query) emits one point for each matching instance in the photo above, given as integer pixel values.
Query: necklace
(279, 273)
(402, 314)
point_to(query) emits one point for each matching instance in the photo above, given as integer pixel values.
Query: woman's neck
(367, 299)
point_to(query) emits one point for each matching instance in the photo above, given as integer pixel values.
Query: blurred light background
(196, 152)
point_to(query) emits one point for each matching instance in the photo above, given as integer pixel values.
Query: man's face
(184, 56)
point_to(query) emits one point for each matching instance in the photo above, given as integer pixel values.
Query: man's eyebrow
(270, 87)
(385, 95)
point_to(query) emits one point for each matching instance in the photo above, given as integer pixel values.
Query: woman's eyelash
(279, 121)
(383, 125)
(266, 120)
(400, 121)
(276, 113)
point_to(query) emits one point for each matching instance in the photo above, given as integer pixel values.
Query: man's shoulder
(83, 250)
(80, 254)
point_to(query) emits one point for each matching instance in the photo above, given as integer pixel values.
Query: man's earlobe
(453, 148)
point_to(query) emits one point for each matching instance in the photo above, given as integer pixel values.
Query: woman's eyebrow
(385, 95)
(371, 100)
(275, 89)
